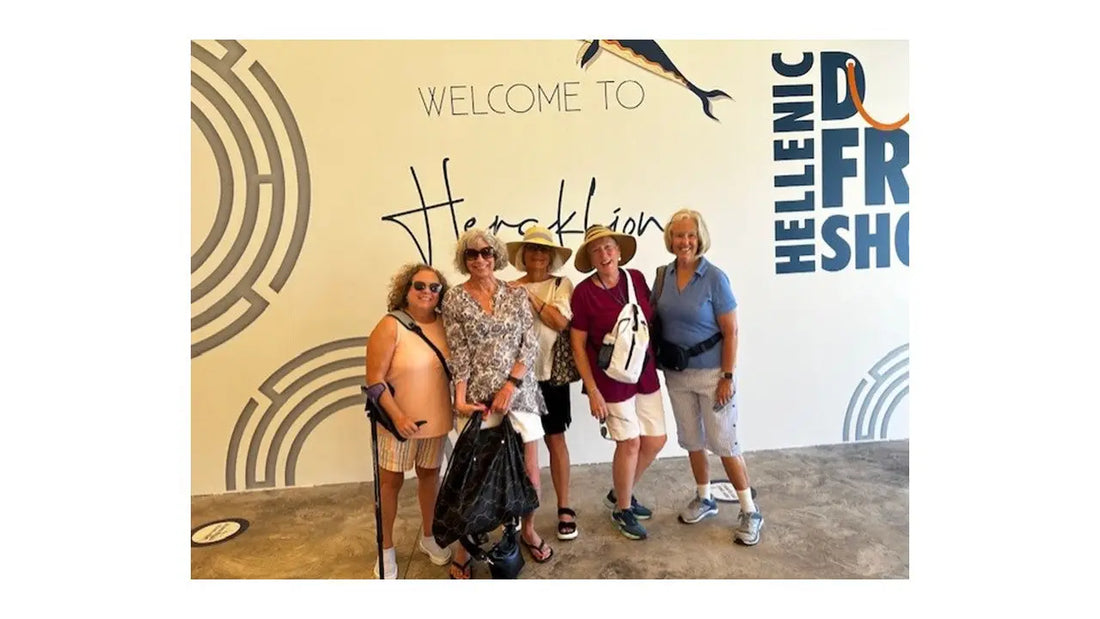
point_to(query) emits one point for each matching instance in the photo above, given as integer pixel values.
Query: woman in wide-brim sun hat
(626, 243)
(539, 257)
(633, 413)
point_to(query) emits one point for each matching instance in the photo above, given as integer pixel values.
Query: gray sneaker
(748, 529)
(698, 509)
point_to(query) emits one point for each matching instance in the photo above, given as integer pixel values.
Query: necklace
(614, 292)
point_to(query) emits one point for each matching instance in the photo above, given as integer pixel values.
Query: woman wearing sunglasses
(491, 334)
(538, 257)
(404, 361)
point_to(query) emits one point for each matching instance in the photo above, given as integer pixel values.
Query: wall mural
(244, 259)
(875, 399)
(280, 211)
(295, 391)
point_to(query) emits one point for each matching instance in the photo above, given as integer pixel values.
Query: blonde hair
(472, 235)
(402, 281)
(700, 229)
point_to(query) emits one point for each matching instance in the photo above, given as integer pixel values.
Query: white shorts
(528, 425)
(641, 415)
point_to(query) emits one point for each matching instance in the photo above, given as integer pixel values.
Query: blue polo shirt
(691, 316)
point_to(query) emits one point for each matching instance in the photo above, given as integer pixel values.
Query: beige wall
(320, 141)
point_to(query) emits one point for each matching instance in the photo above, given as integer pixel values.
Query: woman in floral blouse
(491, 337)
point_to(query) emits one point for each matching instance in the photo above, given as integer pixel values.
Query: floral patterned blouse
(484, 347)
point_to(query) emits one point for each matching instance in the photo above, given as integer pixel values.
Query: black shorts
(559, 414)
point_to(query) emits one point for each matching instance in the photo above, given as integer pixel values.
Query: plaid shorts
(393, 455)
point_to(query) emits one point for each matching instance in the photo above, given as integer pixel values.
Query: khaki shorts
(528, 425)
(641, 415)
(393, 455)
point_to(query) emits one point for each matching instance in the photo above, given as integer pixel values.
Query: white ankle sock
(745, 497)
(703, 491)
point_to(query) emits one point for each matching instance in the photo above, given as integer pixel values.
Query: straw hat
(536, 235)
(627, 246)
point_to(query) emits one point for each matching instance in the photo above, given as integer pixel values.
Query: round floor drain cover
(722, 490)
(218, 531)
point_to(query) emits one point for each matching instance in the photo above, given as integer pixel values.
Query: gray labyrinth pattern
(253, 146)
(874, 400)
(331, 373)
(305, 391)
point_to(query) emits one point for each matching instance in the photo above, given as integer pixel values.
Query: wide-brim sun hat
(536, 235)
(627, 246)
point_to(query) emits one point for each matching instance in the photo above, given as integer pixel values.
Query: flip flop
(567, 530)
(541, 548)
(463, 568)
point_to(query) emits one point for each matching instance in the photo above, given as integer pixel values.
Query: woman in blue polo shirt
(698, 314)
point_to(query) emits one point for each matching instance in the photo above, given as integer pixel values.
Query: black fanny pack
(675, 358)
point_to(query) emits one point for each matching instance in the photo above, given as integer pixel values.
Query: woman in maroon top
(634, 414)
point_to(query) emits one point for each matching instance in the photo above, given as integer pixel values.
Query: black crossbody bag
(669, 355)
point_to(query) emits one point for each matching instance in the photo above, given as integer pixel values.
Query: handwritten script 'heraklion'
(562, 226)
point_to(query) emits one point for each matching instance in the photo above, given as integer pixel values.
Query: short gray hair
(474, 234)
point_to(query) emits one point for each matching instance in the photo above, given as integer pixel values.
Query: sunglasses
(604, 432)
(420, 286)
(484, 252)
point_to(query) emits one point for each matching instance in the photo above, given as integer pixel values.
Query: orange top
(420, 385)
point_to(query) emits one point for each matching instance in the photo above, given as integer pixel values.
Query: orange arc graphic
(858, 101)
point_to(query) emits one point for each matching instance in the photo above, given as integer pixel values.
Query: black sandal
(567, 530)
(463, 568)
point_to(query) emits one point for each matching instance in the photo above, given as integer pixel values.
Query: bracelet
(543, 307)
(515, 381)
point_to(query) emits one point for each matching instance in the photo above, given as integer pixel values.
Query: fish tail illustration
(705, 96)
(588, 52)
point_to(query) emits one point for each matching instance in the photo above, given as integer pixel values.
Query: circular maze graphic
(262, 197)
(271, 430)
(273, 427)
(876, 397)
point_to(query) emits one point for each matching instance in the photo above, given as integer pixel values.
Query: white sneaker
(437, 555)
(389, 558)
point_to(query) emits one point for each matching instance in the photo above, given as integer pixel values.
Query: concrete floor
(833, 512)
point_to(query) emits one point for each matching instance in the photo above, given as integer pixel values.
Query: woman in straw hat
(634, 414)
(538, 256)
(491, 335)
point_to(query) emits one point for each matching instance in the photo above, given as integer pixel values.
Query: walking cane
(377, 488)
(377, 415)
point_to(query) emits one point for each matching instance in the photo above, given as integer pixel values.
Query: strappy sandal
(464, 569)
(541, 548)
(567, 530)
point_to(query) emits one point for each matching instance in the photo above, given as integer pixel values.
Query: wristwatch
(728, 375)
(515, 381)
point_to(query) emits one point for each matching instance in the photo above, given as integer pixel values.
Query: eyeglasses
(484, 252)
(420, 286)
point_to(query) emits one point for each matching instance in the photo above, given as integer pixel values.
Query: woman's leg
(529, 535)
(389, 487)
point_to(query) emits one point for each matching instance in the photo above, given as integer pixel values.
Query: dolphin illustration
(649, 56)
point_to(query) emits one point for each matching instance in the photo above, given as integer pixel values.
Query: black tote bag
(485, 485)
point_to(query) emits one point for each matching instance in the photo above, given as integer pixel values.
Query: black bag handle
(405, 319)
